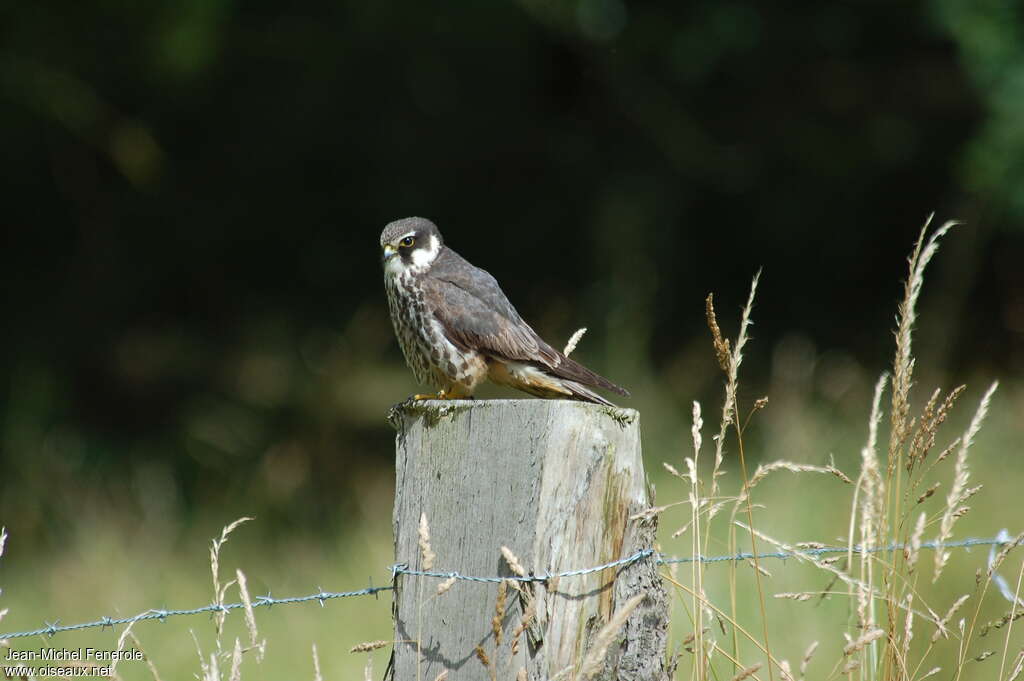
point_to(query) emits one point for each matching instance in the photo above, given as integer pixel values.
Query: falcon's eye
(407, 242)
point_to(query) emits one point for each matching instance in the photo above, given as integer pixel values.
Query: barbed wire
(161, 614)
(403, 569)
(823, 550)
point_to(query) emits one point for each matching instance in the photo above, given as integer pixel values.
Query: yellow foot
(441, 395)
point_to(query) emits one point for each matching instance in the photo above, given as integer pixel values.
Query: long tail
(583, 393)
(572, 371)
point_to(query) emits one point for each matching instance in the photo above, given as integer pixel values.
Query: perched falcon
(457, 328)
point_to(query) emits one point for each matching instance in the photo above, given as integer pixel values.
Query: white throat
(422, 257)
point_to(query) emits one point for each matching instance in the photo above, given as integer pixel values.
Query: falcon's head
(410, 244)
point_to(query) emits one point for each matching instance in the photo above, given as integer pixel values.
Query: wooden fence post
(554, 481)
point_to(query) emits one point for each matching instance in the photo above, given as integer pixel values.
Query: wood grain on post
(554, 481)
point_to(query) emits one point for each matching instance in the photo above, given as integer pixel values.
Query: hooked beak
(389, 252)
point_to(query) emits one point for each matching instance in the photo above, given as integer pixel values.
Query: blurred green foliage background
(195, 326)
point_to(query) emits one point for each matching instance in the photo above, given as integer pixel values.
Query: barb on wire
(403, 569)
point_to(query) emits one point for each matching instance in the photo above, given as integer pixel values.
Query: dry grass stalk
(524, 624)
(903, 365)
(123, 638)
(927, 494)
(671, 469)
(923, 428)
(748, 672)
(707, 511)
(931, 672)
(446, 585)
(149, 662)
(513, 562)
(872, 487)
(499, 612)
(941, 623)
(724, 354)
(250, 617)
(1004, 552)
(594, 660)
(908, 635)
(696, 545)
(687, 642)
(368, 646)
(958, 493)
(808, 654)
(649, 513)
(442, 676)
(1017, 602)
(481, 655)
(220, 590)
(129, 634)
(764, 470)
(947, 451)
(913, 551)
(695, 429)
(426, 554)
(721, 344)
(730, 361)
(573, 340)
(802, 555)
(1018, 667)
(798, 596)
(761, 570)
(860, 642)
(204, 667)
(235, 674)
(1008, 618)
(317, 676)
(928, 426)
(368, 669)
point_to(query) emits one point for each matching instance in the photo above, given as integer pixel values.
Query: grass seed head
(426, 553)
(499, 611)
(445, 585)
(513, 562)
(368, 646)
(808, 654)
(594, 660)
(748, 672)
(859, 643)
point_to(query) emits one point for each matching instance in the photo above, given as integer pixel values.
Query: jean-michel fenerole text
(78, 654)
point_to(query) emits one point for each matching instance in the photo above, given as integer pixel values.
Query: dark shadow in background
(194, 193)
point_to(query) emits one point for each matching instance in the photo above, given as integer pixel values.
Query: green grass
(114, 562)
(113, 570)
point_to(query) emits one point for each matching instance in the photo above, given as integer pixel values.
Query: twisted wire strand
(321, 596)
